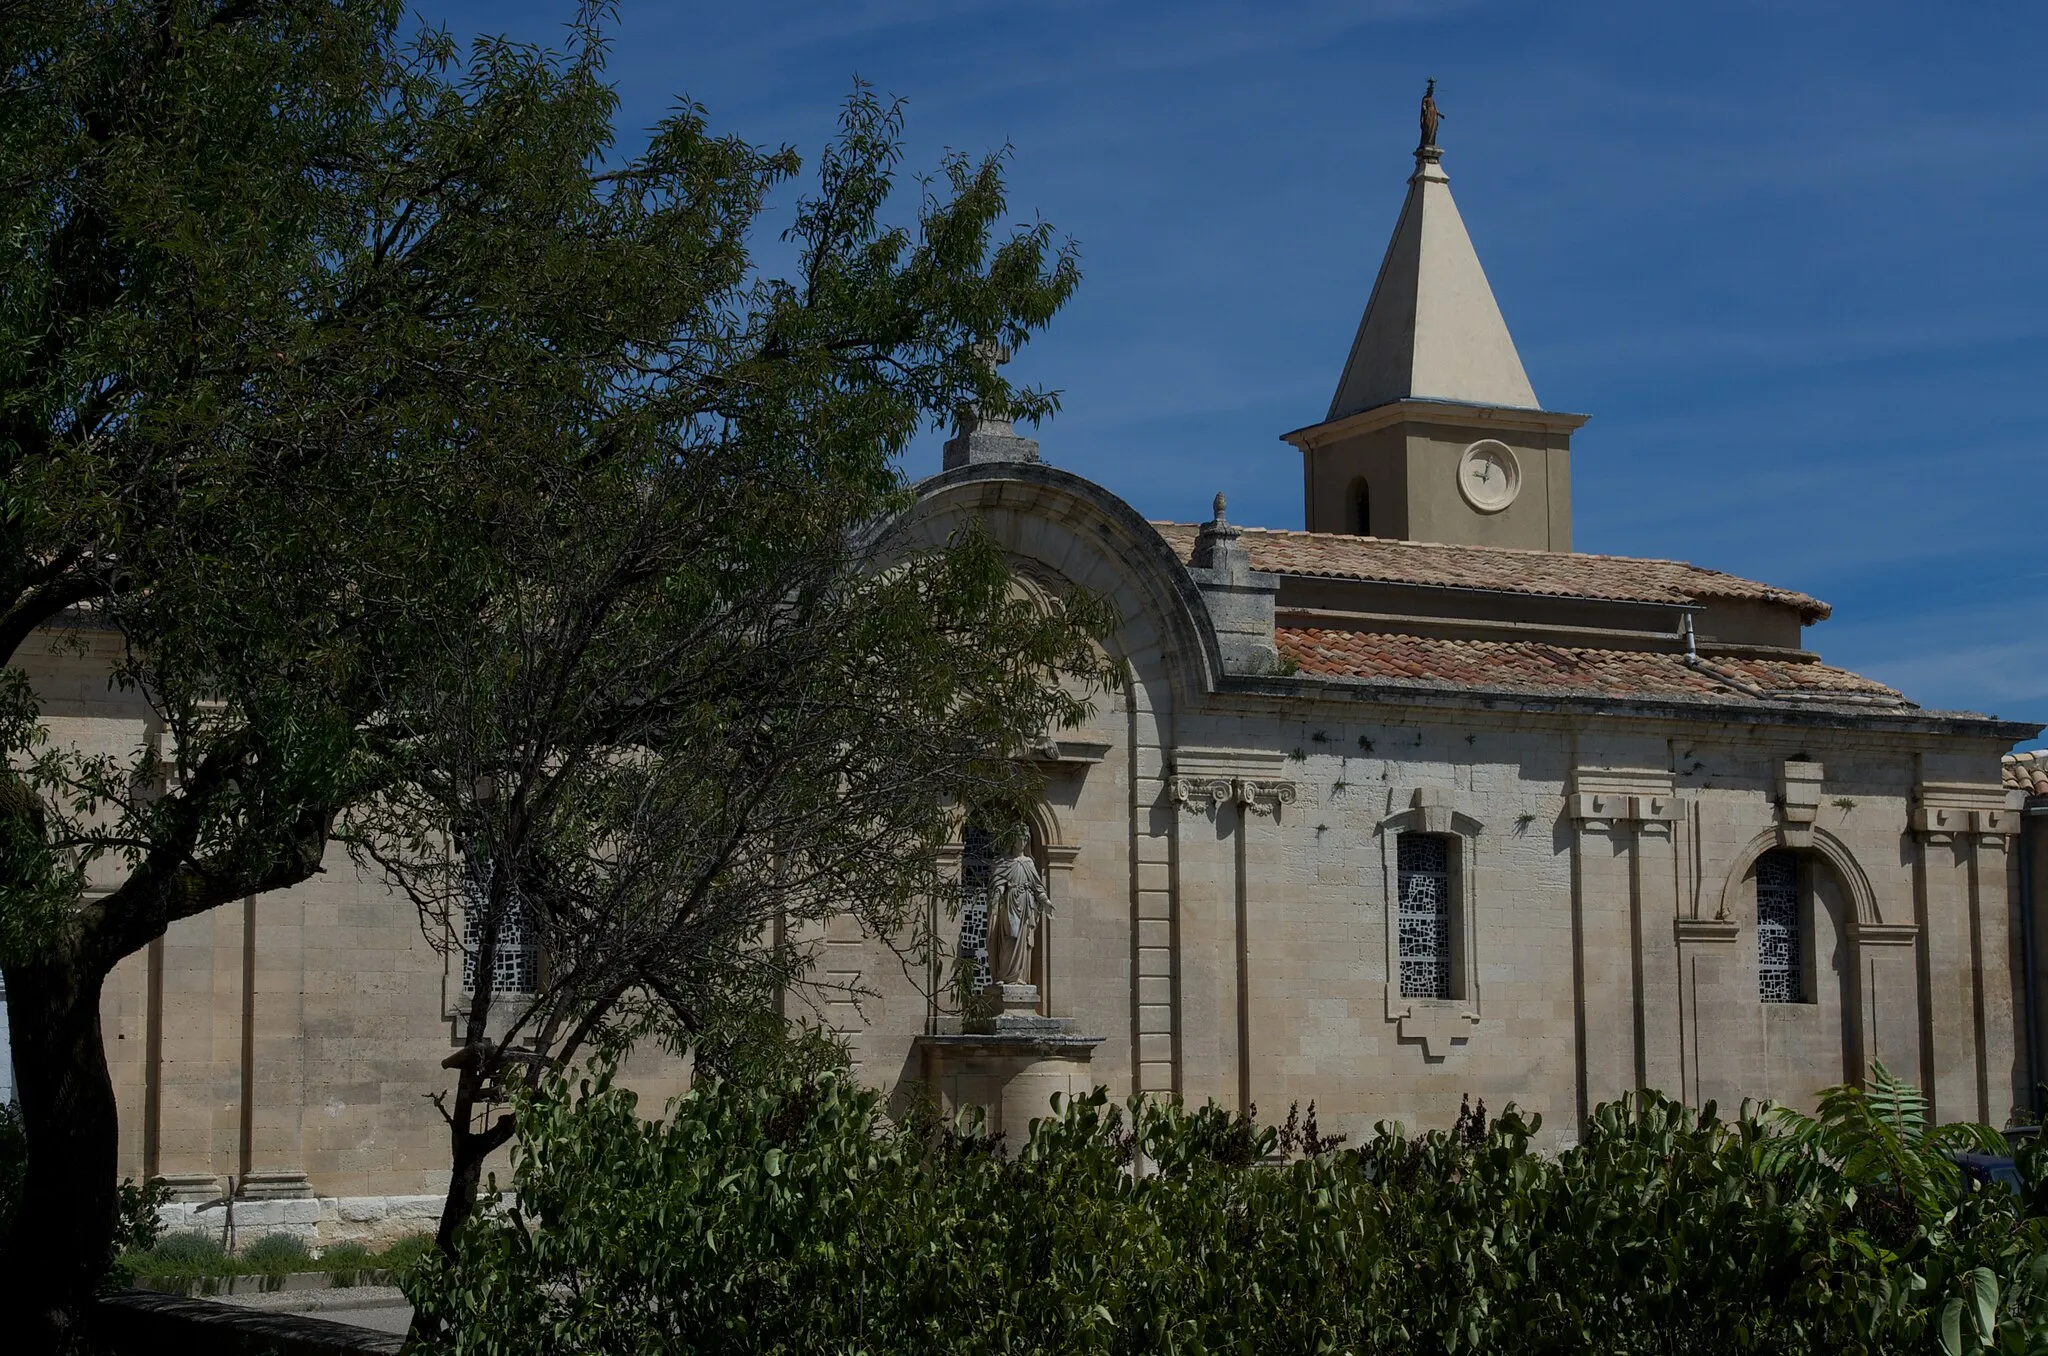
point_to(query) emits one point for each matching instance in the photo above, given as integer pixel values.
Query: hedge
(799, 1220)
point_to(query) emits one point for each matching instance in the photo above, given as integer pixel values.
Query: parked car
(1985, 1169)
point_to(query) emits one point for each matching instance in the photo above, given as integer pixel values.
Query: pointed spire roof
(1432, 330)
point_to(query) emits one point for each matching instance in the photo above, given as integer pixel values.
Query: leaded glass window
(1779, 973)
(976, 858)
(1423, 916)
(515, 959)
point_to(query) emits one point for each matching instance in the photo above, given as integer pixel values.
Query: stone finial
(979, 437)
(1239, 598)
(1217, 545)
(1431, 329)
(1216, 509)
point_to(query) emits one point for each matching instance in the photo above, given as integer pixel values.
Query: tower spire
(1431, 330)
(1434, 433)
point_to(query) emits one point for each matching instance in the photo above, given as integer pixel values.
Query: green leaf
(1984, 1295)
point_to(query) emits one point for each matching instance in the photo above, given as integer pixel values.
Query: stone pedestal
(1008, 1060)
(191, 1187)
(1009, 1001)
(981, 440)
(276, 1186)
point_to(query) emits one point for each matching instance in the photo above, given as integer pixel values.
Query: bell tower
(1434, 433)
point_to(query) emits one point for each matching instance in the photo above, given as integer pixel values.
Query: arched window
(1781, 942)
(1361, 508)
(1424, 916)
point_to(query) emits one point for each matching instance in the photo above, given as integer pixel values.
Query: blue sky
(1788, 256)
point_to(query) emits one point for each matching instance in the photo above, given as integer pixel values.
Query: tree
(295, 309)
(702, 716)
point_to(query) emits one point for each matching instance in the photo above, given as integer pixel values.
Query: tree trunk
(467, 1152)
(467, 1161)
(54, 1256)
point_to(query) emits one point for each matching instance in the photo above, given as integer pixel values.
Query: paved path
(380, 1308)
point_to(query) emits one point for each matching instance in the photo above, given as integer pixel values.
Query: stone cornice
(1701, 710)
(1041, 1045)
(1884, 934)
(1425, 411)
(1207, 779)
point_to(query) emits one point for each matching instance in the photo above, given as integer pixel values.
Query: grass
(195, 1256)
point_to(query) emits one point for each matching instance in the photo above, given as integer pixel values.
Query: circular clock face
(1489, 476)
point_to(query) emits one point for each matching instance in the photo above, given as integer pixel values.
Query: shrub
(138, 1223)
(798, 1219)
(187, 1249)
(277, 1253)
(174, 1256)
(344, 1257)
(407, 1252)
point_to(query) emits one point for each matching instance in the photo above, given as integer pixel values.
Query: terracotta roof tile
(1534, 666)
(2026, 772)
(1557, 573)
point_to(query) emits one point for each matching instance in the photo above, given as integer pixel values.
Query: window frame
(1451, 960)
(524, 943)
(1438, 1024)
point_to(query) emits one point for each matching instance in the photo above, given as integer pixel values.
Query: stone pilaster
(275, 1076)
(1887, 997)
(1966, 1052)
(1155, 995)
(1223, 796)
(1625, 884)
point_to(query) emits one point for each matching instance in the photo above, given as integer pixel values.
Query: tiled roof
(2027, 772)
(1558, 573)
(1534, 666)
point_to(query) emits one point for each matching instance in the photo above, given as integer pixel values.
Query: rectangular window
(1779, 971)
(1423, 916)
(976, 861)
(515, 959)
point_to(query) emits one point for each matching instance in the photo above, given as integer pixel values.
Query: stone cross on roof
(980, 438)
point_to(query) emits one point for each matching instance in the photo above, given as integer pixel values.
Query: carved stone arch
(1036, 579)
(1826, 846)
(1061, 530)
(1046, 829)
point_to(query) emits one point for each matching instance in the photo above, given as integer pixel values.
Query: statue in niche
(1431, 115)
(1017, 900)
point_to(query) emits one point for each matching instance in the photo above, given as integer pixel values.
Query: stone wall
(322, 1221)
(1221, 855)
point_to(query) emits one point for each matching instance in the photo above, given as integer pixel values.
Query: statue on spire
(1431, 115)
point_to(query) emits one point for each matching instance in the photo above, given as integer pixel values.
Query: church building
(1421, 802)
(1416, 804)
